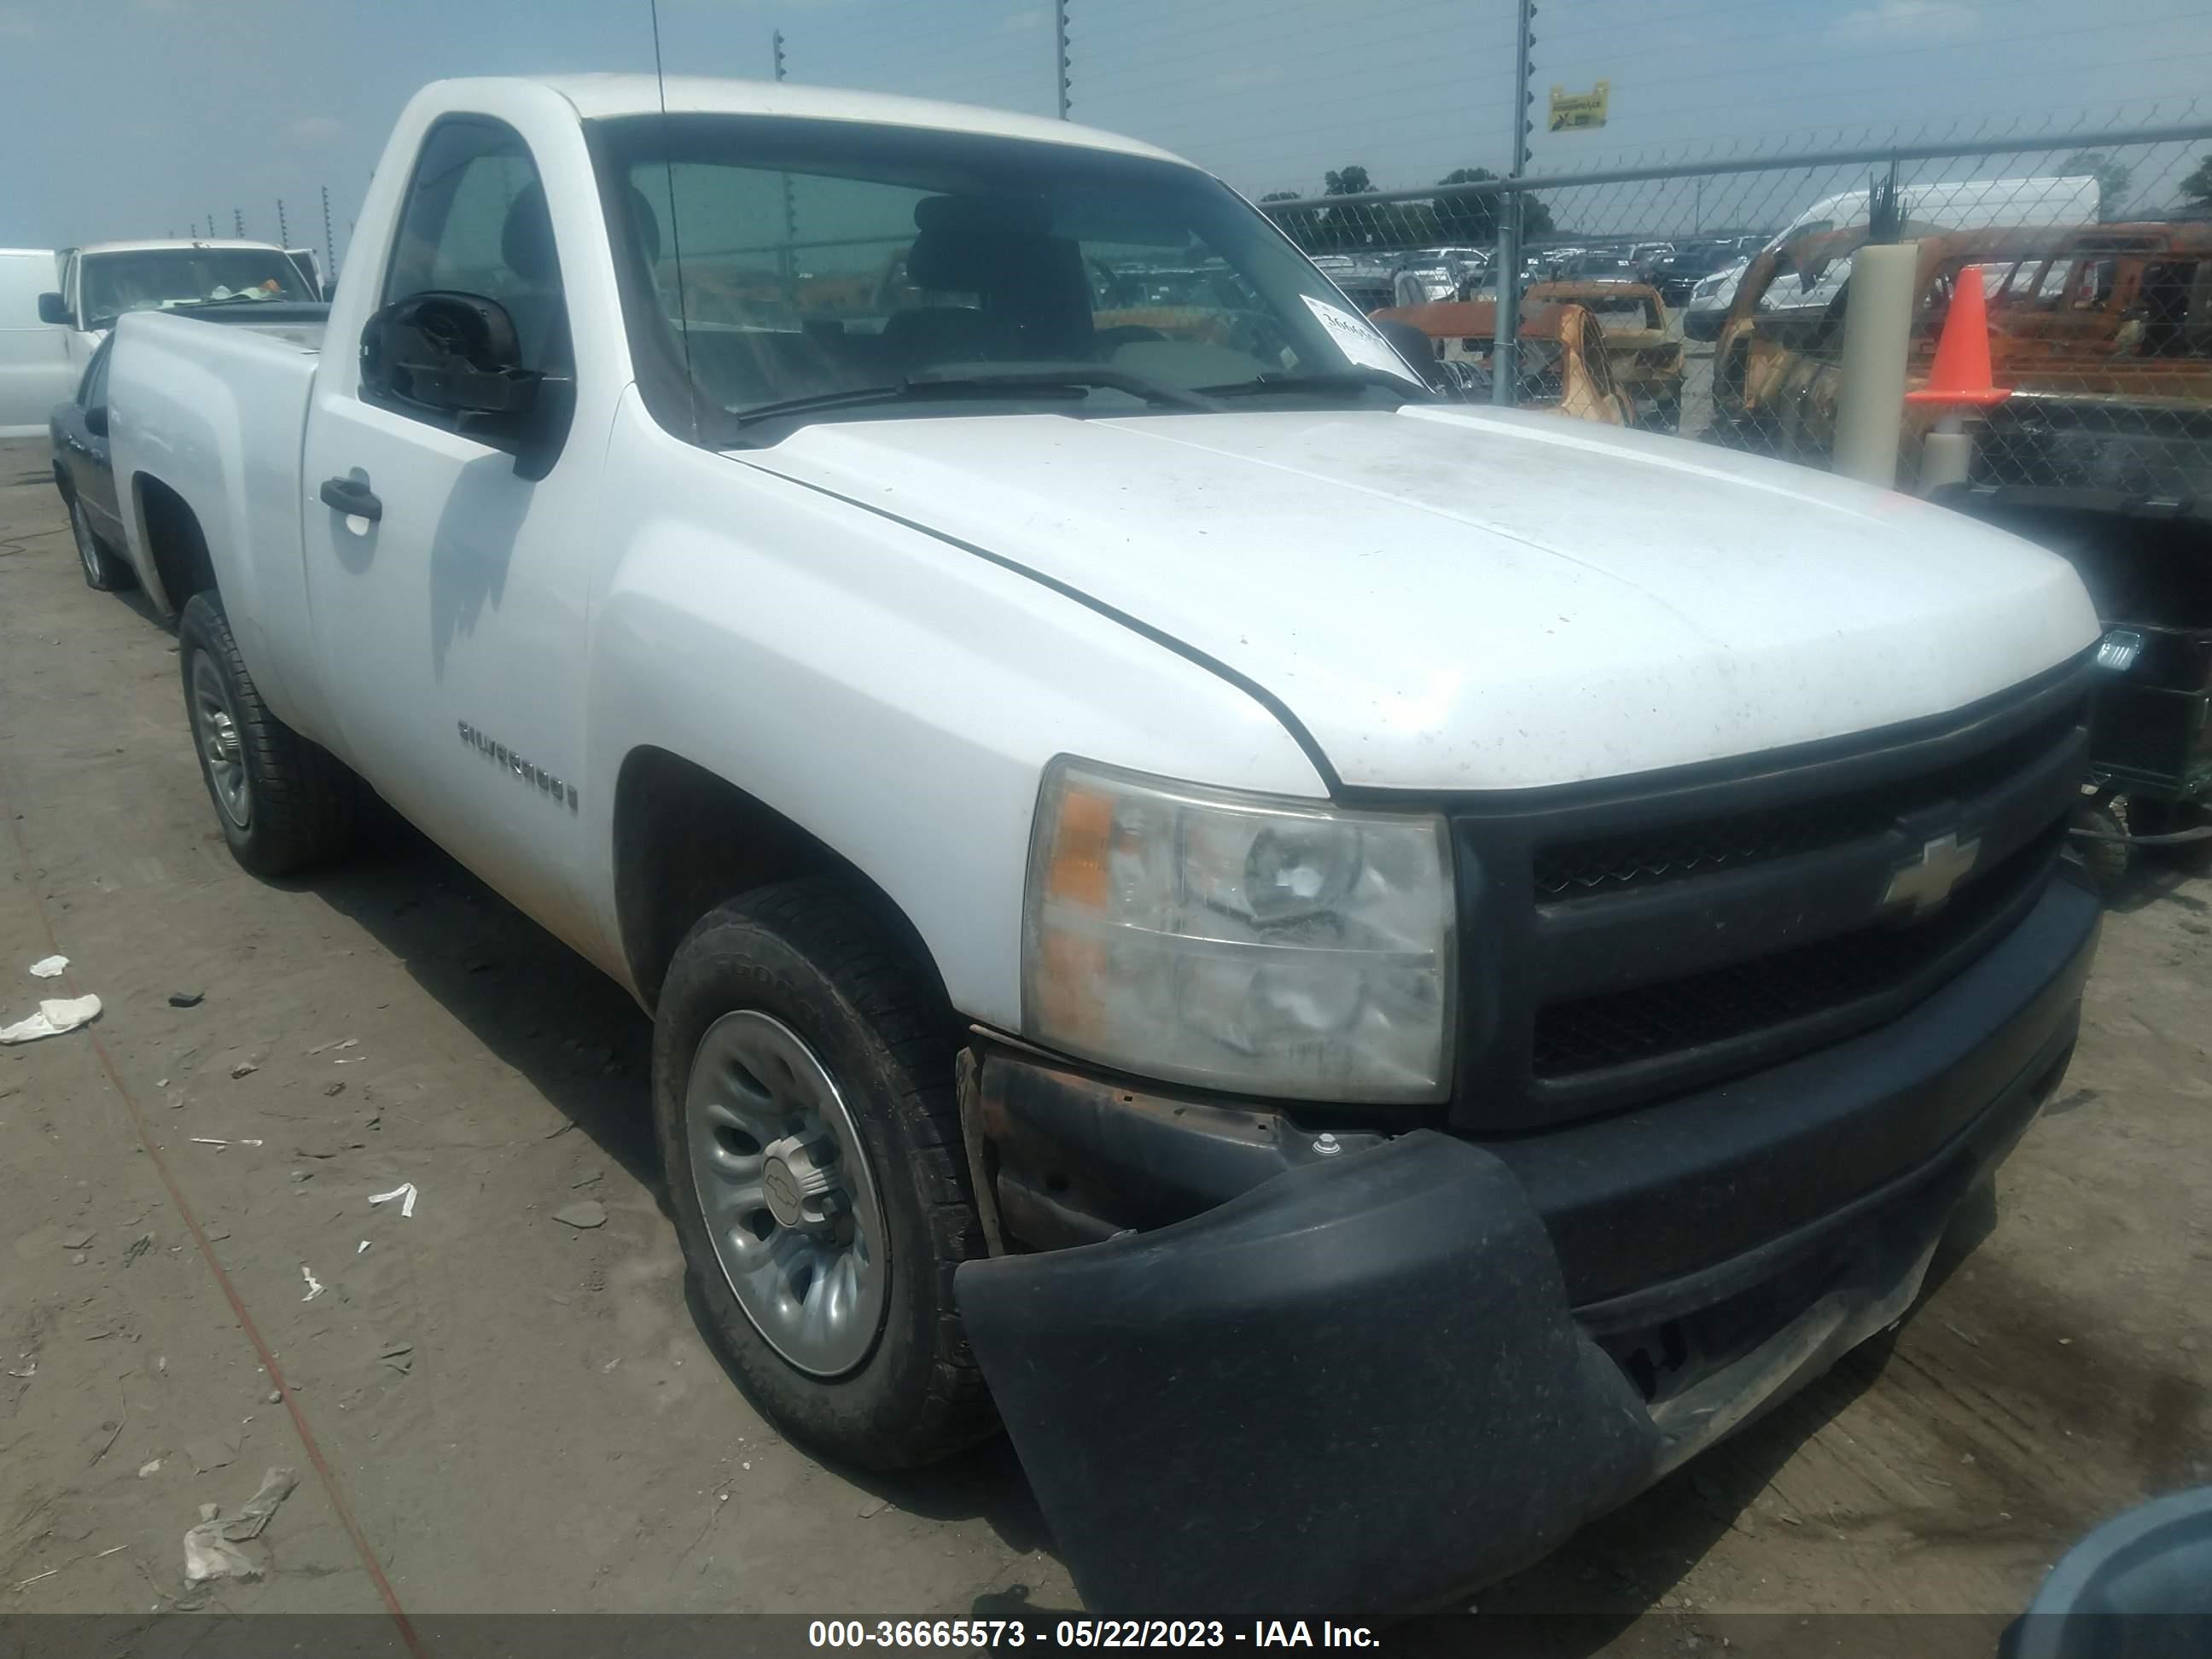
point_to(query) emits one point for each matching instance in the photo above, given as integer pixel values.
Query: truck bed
(219, 413)
(297, 322)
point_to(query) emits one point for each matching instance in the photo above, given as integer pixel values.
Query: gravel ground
(492, 1410)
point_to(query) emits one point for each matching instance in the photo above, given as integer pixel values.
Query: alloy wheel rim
(214, 729)
(790, 1203)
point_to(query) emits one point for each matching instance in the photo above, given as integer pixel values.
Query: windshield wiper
(1047, 377)
(243, 297)
(1339, 379)
(985, 383)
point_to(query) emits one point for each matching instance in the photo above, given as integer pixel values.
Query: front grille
(1629, 945)
(1610, 863)
(1772, 992)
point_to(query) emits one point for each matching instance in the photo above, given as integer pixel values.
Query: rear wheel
(802, 1081)
(283, 803)
(103, 570)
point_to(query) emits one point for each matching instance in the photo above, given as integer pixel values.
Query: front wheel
(802, 1082)
(283, 803)
(104, 572)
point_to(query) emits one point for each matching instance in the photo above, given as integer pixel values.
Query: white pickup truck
(1366, 976)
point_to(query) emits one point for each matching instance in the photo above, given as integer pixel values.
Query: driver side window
(476, 220)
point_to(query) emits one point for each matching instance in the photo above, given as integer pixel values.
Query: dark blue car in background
(84, 472)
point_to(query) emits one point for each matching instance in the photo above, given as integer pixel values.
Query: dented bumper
(1363, 1382)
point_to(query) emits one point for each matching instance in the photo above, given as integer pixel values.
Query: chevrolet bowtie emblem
(1927, 881)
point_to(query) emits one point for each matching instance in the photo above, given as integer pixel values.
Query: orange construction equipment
(1961, 376)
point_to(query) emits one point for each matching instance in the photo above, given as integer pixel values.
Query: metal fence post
(1508, 323)
(1503, 378)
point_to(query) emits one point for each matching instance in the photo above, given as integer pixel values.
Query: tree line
(1348, 226)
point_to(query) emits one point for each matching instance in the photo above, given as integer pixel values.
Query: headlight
(1237, 942)
(2117, 651)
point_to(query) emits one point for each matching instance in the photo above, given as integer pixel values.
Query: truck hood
(1447, 599)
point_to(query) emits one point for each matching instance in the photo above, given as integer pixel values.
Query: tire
(104, 572)
(284, 804)
(2151, 816)
(808, 959)
(2106, 861)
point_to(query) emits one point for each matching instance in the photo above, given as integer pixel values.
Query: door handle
(353, 497)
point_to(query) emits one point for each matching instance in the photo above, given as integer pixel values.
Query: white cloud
(1907, 20)
(316, 128)
(18, 24)
(1019, 22)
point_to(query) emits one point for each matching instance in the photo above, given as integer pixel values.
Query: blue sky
(137, 117)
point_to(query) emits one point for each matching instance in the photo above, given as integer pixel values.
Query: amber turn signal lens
(1078, 872)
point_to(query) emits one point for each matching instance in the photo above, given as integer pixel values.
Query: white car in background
(35, 373)
(1710, 299)
(102, 281)
(1438, 273)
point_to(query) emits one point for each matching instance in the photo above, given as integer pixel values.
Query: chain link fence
(1707, 296)
(1698, 290)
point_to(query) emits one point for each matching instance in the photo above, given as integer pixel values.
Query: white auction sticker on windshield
(1357, 340)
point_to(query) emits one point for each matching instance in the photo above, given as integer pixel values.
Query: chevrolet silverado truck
(1366, 974)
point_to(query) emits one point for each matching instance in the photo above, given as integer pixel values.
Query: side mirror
(95, 421)
(53, 309)
(1418, 350)
(450, 353)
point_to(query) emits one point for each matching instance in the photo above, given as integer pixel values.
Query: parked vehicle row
(1126, 965)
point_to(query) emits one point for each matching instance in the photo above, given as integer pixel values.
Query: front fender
(891, 694)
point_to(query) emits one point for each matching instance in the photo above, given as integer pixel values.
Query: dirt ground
(497, 1411)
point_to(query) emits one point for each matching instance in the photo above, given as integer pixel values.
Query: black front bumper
(1358, 1381)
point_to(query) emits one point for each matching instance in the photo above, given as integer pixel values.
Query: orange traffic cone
(1961, 375)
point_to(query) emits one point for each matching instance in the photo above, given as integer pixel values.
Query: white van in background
(1961, 204)
(35, 373)
(1958, 204)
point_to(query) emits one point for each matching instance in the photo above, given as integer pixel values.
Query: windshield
(821, 258)
(154, 278)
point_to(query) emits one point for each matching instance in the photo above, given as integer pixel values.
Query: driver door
(449, 592)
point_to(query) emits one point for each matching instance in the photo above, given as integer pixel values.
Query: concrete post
(1946, 454)
(1877, 337)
